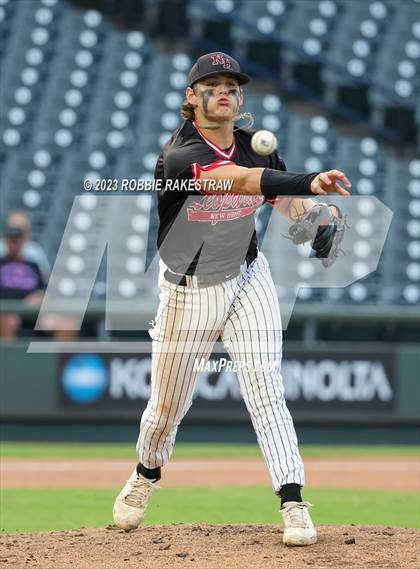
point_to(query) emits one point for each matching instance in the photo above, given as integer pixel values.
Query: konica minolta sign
(313, 382)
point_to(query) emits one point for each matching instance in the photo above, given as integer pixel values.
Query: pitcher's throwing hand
(328, 183)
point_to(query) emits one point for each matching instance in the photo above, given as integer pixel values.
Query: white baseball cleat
(131, 503)
(298, 526)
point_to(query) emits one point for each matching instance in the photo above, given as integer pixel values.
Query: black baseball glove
(324, 226)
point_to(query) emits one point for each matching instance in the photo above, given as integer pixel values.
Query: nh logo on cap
(221, 59)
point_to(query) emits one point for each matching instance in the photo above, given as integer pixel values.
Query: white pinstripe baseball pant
(245, 313)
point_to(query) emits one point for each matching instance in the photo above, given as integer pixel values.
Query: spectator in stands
(24, 273)
(32, 251)
(20, 278)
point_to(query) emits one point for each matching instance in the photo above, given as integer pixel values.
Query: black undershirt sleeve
(276, 183)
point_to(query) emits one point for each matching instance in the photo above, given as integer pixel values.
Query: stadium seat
(75, 105)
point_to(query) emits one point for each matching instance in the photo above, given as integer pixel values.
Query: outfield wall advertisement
(315, 382)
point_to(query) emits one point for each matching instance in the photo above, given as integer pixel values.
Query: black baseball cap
(214, 63)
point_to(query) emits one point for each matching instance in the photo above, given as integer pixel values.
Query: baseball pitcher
(215, 283)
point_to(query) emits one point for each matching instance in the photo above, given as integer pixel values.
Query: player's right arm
(273, 183)
(200, 163)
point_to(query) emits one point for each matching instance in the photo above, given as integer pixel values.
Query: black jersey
(201, 233)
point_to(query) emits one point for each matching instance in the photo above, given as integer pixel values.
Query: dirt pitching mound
(212, 547)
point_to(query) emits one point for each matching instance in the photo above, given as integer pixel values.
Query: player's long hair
(187, 111)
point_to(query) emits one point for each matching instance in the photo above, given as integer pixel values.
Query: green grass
(28, 510)
(209, 450)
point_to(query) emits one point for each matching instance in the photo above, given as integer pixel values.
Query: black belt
(202, 281)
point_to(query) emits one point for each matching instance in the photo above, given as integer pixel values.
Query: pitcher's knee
(160, 421)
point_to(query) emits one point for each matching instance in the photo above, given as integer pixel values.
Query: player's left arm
(295, 208)
(318, 223)
(292, 208)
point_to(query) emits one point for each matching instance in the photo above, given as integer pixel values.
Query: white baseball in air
(264, 142)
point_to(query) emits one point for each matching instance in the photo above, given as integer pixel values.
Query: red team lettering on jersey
(223, 207)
